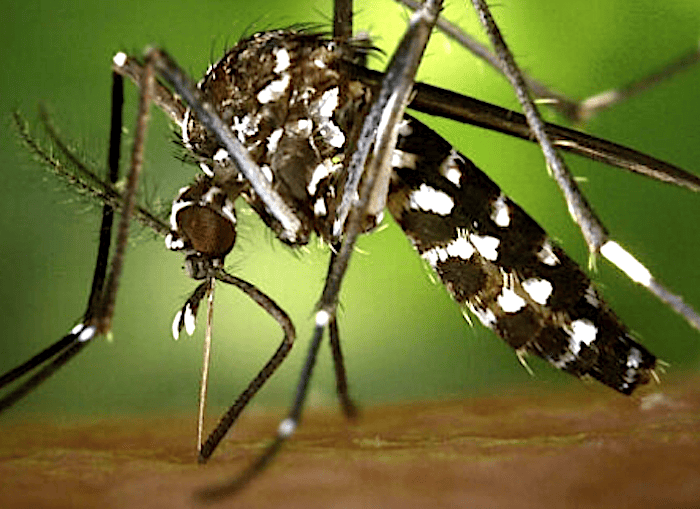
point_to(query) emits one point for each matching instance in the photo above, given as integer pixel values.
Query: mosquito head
(203, 226)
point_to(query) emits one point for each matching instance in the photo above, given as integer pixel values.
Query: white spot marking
(453, 175)
(210, 196)
(450, 169)
(500, 213)
(244, 127)
(183, 128)
(205, 168)
(220, 156)
(87, 334)
(626, 263)
(486, 245)
(320, 208)
(485, 316)
(189, 320)
(119, 59)
(432, 256)
(323, 108)
(304, 126)
(538, 289)
(322, 318)
(591, 297)
(634, 359)
(431, 200)
(320, 172)
(379, 218)
(582, 332)
(286, 428)
(546, 254)
(177, 207)
(332, 134)
(75, 330)
(274, 90)
(283, 61)
(460, 247)
(405, 128)
(174, 244)
(228, 210)
(401, 159)
(337, 227)
(328, 103)
(320, 63)
(267, 172)
(274, 139)
(510, 301)
(176, 325)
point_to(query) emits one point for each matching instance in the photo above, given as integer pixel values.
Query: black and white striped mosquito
(508, 292)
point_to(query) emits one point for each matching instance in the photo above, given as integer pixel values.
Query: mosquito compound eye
(203, 220)
(206, 231)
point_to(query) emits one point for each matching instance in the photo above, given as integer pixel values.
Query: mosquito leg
(106, 308)
(448, 104)
(166, 101)
(266, 372)
(383, 118)
(70, 345)
(38, 359)
(574, 110)
(560, 102)
(592, 105)
(342, 19)
(341, 380)
(594, 233)
(284, 431)
(107, 210)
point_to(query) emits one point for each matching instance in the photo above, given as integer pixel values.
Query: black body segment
(496, 260)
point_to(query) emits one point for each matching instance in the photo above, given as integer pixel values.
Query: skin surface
(579, 448)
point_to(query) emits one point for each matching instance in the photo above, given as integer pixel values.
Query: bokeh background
(403, 337)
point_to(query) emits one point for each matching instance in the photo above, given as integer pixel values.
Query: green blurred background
(403, 337)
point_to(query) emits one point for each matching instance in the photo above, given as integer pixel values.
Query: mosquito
(422, 207)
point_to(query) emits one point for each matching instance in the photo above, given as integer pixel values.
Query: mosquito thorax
(289, 98)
